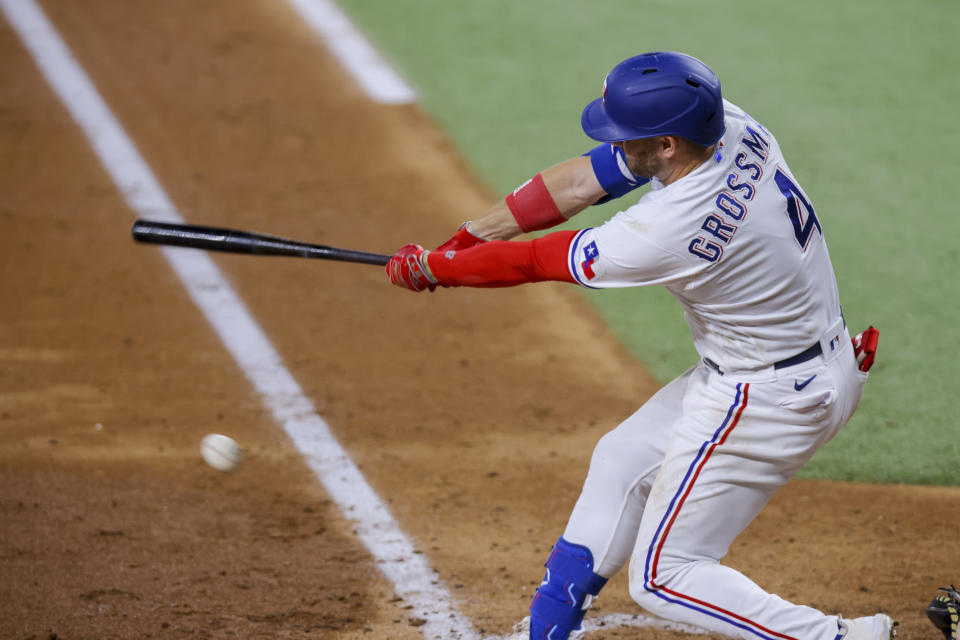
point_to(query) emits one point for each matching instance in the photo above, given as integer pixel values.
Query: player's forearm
(572, 187)
(503, 264)
(496, 223)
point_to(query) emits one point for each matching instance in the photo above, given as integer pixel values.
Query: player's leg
(601, 531)
(735, 445)
(624, 463)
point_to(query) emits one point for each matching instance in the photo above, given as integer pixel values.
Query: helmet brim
(599, 126)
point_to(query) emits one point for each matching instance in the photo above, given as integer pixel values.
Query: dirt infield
(471, 413)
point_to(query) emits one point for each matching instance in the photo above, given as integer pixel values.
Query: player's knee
(565, 593)
(645, 591)
(648, 575)
(645, 595)
(648, 581)
(611, 464)
(607, 448)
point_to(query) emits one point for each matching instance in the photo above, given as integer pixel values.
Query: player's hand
(462, 239)
(865, 347)
(408, 268)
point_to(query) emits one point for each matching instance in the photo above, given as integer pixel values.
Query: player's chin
(642, 168)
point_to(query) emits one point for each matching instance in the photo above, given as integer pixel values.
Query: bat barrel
(235, 241)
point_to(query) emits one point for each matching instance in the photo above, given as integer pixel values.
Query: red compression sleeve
(505, 264)
(533, 207)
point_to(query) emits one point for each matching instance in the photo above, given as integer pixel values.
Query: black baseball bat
(236, 241)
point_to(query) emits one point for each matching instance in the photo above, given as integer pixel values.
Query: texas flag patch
(590, 255)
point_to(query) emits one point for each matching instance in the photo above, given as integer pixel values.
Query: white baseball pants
(672, 486)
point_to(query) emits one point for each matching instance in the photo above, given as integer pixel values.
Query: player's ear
(668, 146)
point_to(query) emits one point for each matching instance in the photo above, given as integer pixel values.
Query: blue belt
(803, 356)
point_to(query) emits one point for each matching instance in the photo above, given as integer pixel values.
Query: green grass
(863, 98)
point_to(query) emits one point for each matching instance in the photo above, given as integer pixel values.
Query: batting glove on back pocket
(865, 347)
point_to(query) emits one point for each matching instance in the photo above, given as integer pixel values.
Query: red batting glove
(462, 239)
(865, 347)
(408, 268)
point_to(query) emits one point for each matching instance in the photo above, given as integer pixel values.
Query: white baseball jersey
(736, 241)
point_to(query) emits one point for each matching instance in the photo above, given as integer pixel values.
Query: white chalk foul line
(354, 52)
(412, 577)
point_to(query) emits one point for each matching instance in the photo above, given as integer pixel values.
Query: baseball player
(728, 230)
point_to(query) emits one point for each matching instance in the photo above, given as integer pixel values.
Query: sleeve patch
(584, 262)
(590, 255)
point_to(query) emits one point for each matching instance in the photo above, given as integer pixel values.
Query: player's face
(643, 156)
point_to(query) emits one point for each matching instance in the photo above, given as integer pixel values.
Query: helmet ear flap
(661, 93)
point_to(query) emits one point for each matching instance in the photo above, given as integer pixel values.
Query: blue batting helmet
(657, 94)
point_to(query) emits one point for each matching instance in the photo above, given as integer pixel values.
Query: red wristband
(533, 207)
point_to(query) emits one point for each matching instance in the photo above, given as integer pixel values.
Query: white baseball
(220, 451)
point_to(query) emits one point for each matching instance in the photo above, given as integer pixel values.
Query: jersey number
(799, 210)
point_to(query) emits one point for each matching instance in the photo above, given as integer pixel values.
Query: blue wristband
(612, 172)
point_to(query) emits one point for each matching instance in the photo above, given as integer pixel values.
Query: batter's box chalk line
(611, 621)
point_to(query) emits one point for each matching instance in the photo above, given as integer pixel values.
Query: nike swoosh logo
(800, 385)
